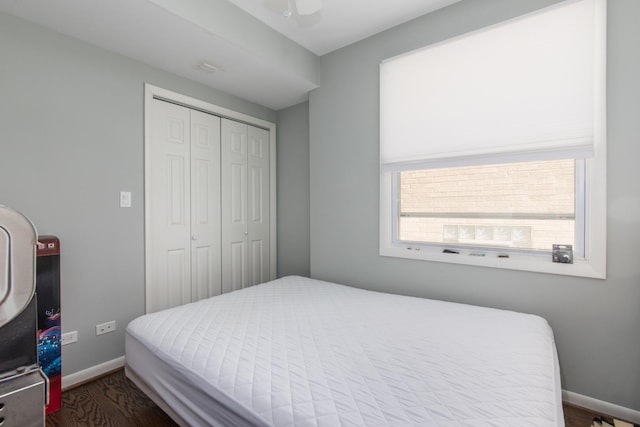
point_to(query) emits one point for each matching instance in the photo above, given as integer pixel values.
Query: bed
(303, 352)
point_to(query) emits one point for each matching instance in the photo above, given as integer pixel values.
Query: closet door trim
(151, 92)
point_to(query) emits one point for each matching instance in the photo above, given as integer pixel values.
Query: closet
(207, 205)
(245, 205)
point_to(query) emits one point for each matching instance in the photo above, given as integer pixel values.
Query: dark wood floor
(580, 417)
(114, 400)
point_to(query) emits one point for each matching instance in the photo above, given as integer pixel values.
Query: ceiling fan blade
(308, 7)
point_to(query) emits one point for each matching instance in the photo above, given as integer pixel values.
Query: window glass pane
(527, 205)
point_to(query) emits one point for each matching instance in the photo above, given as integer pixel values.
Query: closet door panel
(169, 210)
(258, 262)
(205, 206)
(201, 273)
(178, 290)
(258, 224)
(176, 197)
(238, 189)
(234, 205)
(238, 267)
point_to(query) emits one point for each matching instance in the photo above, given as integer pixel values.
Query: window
(493, 144)
(526, 206)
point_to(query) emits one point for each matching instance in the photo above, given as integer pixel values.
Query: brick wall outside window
(523, 188)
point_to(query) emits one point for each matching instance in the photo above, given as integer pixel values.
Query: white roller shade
(526, 88)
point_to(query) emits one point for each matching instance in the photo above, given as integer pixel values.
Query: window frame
(591, 265)
(579, 207)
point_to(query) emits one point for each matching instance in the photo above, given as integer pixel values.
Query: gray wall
(596, 323)
(293, 190)
(71, 137)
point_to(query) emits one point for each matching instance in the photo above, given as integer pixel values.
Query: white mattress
(302, 352)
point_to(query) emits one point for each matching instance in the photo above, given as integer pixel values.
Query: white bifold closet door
(183, 260)
(245, 205)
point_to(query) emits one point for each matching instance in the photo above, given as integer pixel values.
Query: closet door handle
(194, 237)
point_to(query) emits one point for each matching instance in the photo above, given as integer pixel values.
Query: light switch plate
(125, 199)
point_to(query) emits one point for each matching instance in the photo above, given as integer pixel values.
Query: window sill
(523, 262)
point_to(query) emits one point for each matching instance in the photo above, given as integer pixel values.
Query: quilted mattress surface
(303, 352)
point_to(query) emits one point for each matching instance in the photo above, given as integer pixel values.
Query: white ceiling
(256, 63)
(340, 22)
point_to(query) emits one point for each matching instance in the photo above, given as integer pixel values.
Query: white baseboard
(600, 406)
(91, 373)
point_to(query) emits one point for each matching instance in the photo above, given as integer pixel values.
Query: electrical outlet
(69, 337)
(107, 327)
